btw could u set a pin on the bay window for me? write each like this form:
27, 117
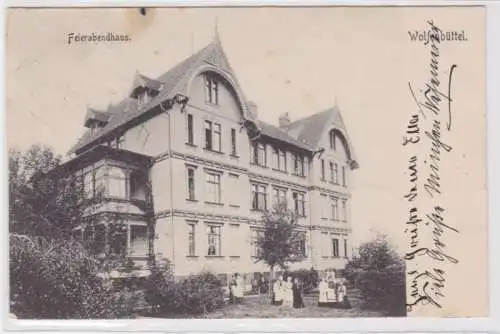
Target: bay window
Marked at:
117, 183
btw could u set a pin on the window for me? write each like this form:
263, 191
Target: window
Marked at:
333, 139
298, 165
335, 208
117, 183
345, 248
334, 173
211, 90
120, 141
322, 170
279, 196
344, 210
324, 206
256, 235
217, 138
191, 239
259, 197
236, 237
344, 177
301, 244
88, 185
325, 247
143, 98
258, 152
234, 199
118, 238
213, 136
99, 244
213, 188
208, 135
190, 184
138, 240
279, 160
213, 240
299, 203
190, 131
100, 181
335, 247
233, 142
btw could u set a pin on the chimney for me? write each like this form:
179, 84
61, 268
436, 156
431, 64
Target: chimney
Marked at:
284, 121
252, 109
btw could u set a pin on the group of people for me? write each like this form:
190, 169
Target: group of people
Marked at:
332, 292
236, 289
288, 293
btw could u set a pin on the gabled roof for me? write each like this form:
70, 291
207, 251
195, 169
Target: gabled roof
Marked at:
281, 135
173, 82
96, 116
310, 129
143, 82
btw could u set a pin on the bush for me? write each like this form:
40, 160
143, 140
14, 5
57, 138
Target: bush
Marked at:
193, 295
379, 274
308, 277
58, 280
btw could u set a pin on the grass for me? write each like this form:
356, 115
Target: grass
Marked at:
261, 307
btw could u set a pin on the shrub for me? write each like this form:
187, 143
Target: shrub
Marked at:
379, 274
308, 277
58, 280
193, 295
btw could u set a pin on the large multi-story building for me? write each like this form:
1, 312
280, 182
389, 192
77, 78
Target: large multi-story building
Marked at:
187, 153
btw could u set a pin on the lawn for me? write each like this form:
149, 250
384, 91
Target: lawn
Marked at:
260, 307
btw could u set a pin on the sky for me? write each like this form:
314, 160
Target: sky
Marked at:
300, 61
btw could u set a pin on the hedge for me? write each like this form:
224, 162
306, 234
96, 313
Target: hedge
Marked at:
58, 280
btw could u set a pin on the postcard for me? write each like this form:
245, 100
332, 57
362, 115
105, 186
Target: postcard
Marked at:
247, 162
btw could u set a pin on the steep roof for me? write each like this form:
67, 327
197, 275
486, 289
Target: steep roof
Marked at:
310, 129
96, 116
173, 81
279, 134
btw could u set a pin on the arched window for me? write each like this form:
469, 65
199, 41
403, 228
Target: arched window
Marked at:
117, 183
333, 140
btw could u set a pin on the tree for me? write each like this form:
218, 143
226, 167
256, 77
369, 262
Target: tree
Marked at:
42, 202
279, 242
379, 273
48, 201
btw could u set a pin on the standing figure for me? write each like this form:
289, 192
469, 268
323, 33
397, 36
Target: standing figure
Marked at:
288, 292
298, 300
322, 286
278, 291
239, 288
342, 295
232, 289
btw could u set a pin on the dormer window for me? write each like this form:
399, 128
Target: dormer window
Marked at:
211, 90
143, 98
144, 88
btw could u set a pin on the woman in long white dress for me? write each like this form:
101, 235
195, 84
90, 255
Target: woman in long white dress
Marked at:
278, 291
239, 289
323, 287
288, 292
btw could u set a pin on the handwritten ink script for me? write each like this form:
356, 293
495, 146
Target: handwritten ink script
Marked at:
425, 139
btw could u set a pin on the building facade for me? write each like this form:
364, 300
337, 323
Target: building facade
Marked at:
187, 154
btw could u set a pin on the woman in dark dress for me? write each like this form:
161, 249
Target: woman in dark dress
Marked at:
298, 300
